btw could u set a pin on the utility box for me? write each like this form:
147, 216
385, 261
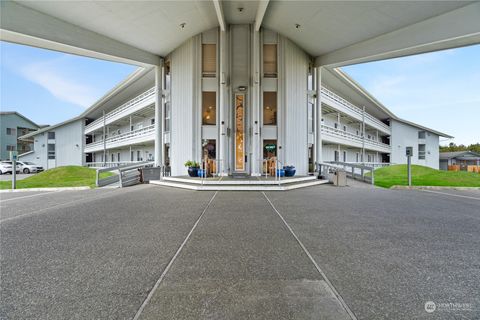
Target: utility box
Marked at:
340, 178
151, 174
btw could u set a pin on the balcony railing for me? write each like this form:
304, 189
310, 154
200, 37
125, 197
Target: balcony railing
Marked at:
98, 123
122, 139
355, 140
354, 109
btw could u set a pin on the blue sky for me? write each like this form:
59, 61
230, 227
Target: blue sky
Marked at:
440, 90
49, 87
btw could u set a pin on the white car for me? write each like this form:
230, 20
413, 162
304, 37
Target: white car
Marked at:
29, 167
6, 167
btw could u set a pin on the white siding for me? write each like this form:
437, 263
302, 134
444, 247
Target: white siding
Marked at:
184, 102
404, 135
295, 104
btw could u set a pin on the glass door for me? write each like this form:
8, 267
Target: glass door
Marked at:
240, 132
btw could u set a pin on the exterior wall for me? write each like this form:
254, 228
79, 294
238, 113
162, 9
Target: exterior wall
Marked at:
140, 153
184, 96
69, 143
404, 135
294, 103
328, 153
11, 121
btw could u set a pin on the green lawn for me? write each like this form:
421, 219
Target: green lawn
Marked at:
69, 176
424, 176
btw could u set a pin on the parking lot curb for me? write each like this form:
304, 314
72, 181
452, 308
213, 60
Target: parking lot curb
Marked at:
45, 189
432, 188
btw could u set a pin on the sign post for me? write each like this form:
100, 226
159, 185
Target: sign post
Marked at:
13, 157
409, 152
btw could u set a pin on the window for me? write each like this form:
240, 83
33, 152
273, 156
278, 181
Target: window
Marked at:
270, 60
335, 125
51, 135
421, 151
269, 149
132, 156
356, 157
167, 116
357, 132
270, 108
336, 156
113, 157
10, 147
345, 128
209, 60
369, 158
11, 131
344, 156
209, 150
152, 121
209, 108
421, 134
139, 158
51, 151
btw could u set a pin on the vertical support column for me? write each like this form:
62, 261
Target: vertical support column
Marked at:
256, 164
363, 134
158, 115
318, 117
223, 106
104, 141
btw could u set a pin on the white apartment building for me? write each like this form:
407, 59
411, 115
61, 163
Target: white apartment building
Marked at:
292, 113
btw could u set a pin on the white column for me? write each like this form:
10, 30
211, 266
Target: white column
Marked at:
104, 141
318, 117
158, 115
223, 106
363, 134
256, 138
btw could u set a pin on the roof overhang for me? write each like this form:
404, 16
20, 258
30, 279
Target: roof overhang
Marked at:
336, 33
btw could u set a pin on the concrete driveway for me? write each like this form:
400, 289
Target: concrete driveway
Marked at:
150, 252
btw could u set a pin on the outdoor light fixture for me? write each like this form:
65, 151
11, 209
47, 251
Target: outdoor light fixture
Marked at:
182, 25
297, 26
242, 88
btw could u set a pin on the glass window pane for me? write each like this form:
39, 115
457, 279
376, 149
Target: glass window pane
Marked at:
209, 60
51, 135
270, 60
209, 108
270, 108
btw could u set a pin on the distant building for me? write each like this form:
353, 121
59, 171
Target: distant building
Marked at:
461, 158
12, 126
58, 145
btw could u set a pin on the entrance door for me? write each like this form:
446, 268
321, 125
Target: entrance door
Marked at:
240, 156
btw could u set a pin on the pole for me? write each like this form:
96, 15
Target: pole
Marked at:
409, 171
14, 173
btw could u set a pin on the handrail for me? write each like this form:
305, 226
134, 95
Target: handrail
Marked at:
352, 107
147, 94
124, 136
352, 166
120, 169
349, 135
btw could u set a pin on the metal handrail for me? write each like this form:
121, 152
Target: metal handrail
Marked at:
352, 166
119, 169
352, 107
141, 97
351, 136
135, 133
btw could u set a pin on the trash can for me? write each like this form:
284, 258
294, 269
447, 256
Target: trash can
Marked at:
340, 178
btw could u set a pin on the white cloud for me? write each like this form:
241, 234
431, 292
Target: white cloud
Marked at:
49, 75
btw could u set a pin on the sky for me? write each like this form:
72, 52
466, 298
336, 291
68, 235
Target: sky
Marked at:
49, 87
440, 90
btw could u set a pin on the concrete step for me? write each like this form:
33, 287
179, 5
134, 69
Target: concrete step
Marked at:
249, 181
229, 187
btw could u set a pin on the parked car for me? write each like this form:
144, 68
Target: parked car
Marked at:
6, 167
29, 167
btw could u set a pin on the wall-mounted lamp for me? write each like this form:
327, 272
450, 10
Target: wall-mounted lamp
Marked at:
242, 88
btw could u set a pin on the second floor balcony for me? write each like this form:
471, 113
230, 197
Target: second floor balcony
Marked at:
132, 137
139, 102
334, 135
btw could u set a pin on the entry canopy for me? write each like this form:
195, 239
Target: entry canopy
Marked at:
335, 33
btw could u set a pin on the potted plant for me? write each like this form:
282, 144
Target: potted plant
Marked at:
289, 171
192, 168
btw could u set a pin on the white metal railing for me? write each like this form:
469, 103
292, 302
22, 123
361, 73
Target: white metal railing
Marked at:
341, 133
355, 170
350, 136
126, 175
122, 137
145, 95
99, 164
335, 97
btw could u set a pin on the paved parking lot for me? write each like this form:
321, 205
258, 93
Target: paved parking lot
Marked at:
20, 176
149, 252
